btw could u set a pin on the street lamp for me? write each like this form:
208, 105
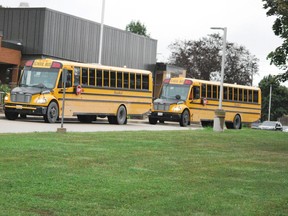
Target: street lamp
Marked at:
219, 119
101, 32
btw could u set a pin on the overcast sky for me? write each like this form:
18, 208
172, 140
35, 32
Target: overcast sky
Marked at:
170, 20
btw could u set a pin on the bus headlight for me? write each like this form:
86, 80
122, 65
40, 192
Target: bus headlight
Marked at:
6, 98
177, 109
41, 100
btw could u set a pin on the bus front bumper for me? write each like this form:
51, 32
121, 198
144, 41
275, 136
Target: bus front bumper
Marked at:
165, 116
27, 110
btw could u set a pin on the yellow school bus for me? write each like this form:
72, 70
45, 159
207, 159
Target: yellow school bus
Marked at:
187, 100
91, 91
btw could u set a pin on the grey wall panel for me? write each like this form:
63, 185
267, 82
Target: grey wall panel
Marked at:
25, 26
46, 32
70, 37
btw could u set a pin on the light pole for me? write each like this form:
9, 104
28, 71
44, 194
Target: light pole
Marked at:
101, 32
270, 97
219, 119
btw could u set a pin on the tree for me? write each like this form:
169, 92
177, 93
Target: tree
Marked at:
137, 27
202, 60
278, 57
279, 101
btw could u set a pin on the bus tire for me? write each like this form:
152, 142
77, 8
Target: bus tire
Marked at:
153, 121
121, 116
52, 113
185, 117
11, 115
237, 124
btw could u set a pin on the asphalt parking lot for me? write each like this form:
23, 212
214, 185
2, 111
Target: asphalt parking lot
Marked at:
36, 124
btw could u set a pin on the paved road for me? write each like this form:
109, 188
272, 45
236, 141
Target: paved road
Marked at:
36, 124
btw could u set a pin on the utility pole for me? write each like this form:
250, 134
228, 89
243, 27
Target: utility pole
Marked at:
101, 32
270, 97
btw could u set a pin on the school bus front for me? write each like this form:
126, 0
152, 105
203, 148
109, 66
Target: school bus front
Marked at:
172, 102
35, 94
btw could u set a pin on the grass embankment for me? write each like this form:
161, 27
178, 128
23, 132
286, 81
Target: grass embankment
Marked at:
145, 173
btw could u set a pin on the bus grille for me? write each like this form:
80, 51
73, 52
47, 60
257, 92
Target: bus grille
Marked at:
164, 107
23, 98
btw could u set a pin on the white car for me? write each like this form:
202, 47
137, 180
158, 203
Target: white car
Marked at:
271, 125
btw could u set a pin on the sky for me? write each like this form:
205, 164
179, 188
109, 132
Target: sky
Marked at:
170, 20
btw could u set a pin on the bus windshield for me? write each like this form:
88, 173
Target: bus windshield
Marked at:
39, 77
170, 91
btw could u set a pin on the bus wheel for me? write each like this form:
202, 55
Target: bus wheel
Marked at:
11, 115
237, 122
153, 120
52, 113
184, 121
121, 117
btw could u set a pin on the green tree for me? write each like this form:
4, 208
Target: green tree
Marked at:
137, 27
278, 57
202, 60
279, 98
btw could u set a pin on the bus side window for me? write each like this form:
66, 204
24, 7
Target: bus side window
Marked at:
76, 76
204, 90
84, 76
196, 92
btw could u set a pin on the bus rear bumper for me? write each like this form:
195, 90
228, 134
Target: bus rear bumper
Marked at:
161, 116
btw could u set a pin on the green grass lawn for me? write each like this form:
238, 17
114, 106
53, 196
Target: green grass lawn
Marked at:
237, 172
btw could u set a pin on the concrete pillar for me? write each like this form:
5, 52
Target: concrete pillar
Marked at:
219, 120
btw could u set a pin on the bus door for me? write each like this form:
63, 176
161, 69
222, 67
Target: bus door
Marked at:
194, 95
66, 80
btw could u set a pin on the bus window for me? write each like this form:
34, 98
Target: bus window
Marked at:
76, 76
138, 81
236, 94
203, 91
209, 89
214, 91
132, 80
84, 76
196, 92
230, 93
145, 82
126, 80
92, 77
112, 79
99, 77
240, 94
119, 79
250, 96
255, 96
106, 78
68, 80
225, 96
245, 95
